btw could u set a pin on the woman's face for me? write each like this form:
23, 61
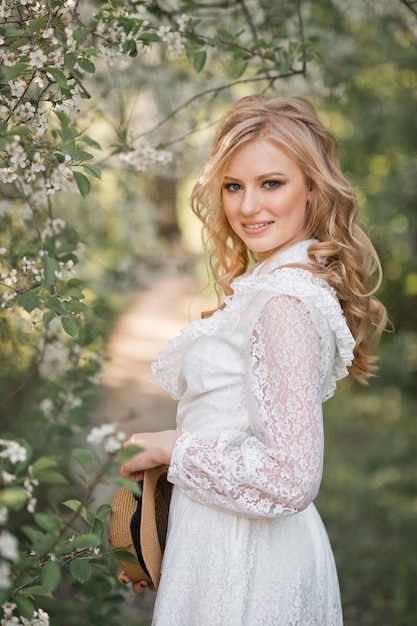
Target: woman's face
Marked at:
264, 196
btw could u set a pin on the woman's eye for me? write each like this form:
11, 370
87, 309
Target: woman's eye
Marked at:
232, 186
272, 184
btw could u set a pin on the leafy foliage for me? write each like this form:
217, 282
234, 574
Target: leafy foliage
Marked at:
55, 57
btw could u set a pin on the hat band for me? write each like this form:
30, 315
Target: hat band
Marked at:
135, 531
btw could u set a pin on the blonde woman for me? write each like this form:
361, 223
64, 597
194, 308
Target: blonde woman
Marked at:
246, 545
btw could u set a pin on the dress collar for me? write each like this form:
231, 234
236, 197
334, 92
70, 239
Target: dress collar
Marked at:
296, 253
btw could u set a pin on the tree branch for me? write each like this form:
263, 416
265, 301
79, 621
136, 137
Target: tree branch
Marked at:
216, 91
411, 5
249, 20
301, 30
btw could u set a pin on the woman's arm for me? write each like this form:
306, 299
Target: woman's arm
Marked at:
277, 470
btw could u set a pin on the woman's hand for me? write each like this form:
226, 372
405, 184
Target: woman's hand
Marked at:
138, 587
157, 450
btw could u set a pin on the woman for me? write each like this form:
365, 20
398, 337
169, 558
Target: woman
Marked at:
246, 545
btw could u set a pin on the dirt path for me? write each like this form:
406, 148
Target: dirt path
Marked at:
153, 317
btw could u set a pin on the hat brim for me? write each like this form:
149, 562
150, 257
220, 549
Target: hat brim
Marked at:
154, 509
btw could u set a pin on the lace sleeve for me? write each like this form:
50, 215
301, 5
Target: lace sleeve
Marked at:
276, 470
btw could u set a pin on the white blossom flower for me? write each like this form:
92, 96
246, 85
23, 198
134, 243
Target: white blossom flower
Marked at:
8, 478
37, 58
4, 515
47, 407
29, 484
55, 358
49, 33
8, 608
40, 81
173, 38
13, 451
3, 251
7, 174
17, 87
53, 227
51, 188
5, 577
5, 11
146, 157
182, 22
31, 507
107, 435
9, 547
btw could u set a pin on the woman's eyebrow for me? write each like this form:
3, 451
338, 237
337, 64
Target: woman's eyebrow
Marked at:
269, 174
260, 177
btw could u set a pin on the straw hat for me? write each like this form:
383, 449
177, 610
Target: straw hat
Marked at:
139, 525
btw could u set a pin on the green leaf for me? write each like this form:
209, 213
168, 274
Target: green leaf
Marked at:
86, 541
82, 183
70, 326
19, 130
70, 60
32, 533
149, 37
126, 556
28, 300
48, 317
37, 590
98, 528
76, 154
46, 522
63, 118
74, 282
15, 32
36, 25
239, 69
58, 76
49, 476
75, 505
103, 512
12, 496
53, 303
129, 484
90, 142
16, 70
306, 58
81, 34
24, 605
18, 44
51, 576
77, 307
199, 60
80, 570
93, 170
50, 266
43, 463
84, 456
74, 292
86, 65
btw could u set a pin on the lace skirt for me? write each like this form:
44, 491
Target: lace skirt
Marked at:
221, 569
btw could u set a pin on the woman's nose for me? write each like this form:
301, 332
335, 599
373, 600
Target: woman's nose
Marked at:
250, 202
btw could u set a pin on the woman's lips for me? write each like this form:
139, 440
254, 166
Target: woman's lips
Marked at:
256, 228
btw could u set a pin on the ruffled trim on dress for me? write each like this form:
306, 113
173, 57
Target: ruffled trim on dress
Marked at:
318, 296
313, 291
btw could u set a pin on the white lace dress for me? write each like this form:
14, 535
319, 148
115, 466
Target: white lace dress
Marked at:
246, 546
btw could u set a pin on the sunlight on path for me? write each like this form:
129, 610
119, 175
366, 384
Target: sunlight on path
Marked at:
153, 317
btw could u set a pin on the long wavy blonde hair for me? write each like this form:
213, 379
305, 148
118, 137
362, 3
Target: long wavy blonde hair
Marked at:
350, 258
